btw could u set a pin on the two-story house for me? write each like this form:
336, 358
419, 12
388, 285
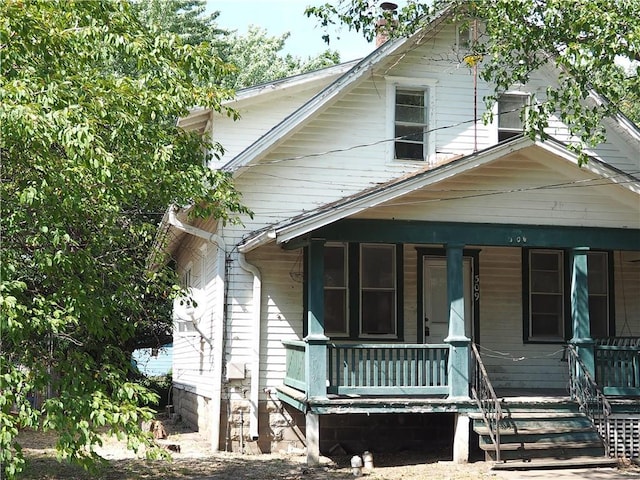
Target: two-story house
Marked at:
411, 272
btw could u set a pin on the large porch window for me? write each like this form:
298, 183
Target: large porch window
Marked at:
547, 284
361, 290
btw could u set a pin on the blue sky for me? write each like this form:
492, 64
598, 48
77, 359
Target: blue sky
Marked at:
280, 16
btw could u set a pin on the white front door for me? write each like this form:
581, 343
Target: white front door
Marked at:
435, 302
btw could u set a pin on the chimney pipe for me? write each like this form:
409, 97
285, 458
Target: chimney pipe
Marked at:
382, 30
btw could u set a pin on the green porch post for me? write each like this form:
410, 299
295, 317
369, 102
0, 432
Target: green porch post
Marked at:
459, 353
580, 309
316, 352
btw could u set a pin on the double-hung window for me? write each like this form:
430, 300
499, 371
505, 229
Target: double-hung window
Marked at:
336, 292
510, 114
548, 300
361, 290
378, 289
411, 123
186, 326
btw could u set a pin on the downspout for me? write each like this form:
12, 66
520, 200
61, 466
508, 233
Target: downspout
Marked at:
218, 319
254, 394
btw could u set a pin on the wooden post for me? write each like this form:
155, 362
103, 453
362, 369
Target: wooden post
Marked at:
316, 351
580, 310
459, 353
461, 438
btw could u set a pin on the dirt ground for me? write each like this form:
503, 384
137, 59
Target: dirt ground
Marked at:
196, 462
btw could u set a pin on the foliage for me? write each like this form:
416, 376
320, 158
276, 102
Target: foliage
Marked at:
583, 39
258, 59
90, 151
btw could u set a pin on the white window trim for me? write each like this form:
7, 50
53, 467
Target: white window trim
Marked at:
186, 281
428, 84
495, 112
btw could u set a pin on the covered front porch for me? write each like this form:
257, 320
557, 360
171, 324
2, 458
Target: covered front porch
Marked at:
327, 375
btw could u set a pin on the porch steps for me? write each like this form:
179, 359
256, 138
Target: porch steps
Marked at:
540, 434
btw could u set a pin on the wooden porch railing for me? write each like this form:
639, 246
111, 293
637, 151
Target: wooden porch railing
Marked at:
589, 396
486, 399
295, 375
617, 362
375, 369
388, 369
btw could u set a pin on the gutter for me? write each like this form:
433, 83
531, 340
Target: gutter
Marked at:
254, 394
218, 319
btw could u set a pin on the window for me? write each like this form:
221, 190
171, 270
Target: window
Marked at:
185, 326
546, 295
599, 301
336, 322
362, 284
548, 280
377, 289
510, 107
410, 123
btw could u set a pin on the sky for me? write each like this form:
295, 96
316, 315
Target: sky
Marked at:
280, 16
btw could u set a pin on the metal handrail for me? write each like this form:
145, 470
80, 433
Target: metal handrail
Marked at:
487, 400
592, 401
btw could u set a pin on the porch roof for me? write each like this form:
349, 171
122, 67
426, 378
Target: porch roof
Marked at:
297, 226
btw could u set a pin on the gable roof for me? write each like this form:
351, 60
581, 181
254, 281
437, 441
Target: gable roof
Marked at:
302, 224
317, 103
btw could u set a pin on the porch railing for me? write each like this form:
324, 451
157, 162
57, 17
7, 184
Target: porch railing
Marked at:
295, 374
375, 369
388, 369
486, 398
589, 396
617, 362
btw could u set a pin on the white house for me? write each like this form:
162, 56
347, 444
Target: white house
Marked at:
409, 270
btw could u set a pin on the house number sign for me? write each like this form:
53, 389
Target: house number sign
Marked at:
476, 288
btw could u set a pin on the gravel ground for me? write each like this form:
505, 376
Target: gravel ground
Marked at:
196, 462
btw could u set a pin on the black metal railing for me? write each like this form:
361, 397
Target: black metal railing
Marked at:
590, 398
486, 398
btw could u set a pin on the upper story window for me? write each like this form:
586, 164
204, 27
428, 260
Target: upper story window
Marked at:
411, 123
410, 118
510, 113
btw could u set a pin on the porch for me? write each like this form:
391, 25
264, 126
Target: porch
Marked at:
414, 379
421, 372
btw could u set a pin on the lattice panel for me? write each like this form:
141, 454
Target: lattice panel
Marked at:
625, 436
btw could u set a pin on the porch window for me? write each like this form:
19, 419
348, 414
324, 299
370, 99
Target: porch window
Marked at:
186, 327
377, 289
411, 121
547, 282
546, 295
510, 110
599, 301
336, 290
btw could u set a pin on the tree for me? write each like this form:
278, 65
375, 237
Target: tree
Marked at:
258, 59
90, 151
584, 39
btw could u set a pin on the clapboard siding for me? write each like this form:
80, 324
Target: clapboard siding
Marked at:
509, 191
509, 362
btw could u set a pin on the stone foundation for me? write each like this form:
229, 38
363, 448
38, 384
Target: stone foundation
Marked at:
194, 410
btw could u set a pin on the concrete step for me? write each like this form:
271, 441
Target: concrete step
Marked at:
528, 446
553, 464
533, 429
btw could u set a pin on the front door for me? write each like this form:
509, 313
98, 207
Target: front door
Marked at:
435, 302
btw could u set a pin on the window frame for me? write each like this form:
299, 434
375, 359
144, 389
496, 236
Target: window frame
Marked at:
185, 328
345, 288
428, 87
566, 296
353, 302
511, 132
